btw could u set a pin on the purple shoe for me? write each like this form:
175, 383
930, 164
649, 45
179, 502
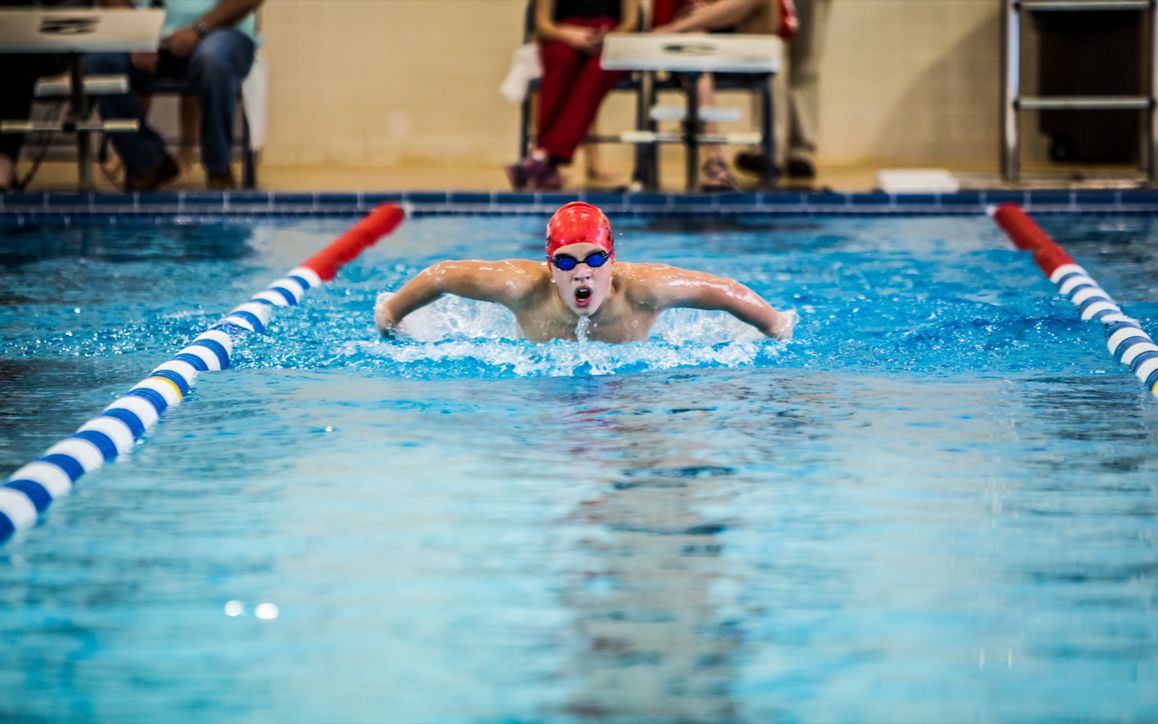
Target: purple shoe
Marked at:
527, 173
517, 175
532, 173
550, 179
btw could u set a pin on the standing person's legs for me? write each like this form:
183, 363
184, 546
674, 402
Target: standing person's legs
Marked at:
216, 69
147, 163
804, 54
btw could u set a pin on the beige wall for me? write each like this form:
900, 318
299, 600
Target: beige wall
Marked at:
390, 82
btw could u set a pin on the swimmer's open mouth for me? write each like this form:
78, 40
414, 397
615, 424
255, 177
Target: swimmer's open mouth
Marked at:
583, 296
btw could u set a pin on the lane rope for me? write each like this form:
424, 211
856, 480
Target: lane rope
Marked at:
28, 492
1125, 338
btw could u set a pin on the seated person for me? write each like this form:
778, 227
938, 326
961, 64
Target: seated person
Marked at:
582, 282
573, 83
745, 16
210, 44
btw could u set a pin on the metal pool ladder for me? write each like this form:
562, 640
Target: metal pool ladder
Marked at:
1013, 102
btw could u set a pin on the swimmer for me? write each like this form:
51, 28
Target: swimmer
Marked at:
581, 280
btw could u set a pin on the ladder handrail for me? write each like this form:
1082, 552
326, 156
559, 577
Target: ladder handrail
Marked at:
1095, 5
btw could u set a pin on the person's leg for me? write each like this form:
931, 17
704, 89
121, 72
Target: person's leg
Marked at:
189, 119
578, 110
803, 87
216, 69
142, 152
561, 67
715, 167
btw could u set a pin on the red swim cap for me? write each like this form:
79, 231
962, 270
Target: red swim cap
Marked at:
576, 223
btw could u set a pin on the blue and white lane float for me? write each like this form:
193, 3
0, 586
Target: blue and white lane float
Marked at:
28, 492
1125, 338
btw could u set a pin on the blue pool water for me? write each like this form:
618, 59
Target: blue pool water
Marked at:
938, 503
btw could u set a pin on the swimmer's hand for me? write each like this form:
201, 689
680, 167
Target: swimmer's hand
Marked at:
783, 325
384, 321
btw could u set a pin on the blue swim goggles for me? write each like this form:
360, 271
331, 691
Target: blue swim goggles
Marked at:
566, 262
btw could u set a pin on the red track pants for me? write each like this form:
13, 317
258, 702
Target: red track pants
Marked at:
570, 91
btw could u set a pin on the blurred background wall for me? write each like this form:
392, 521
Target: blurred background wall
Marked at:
404, 82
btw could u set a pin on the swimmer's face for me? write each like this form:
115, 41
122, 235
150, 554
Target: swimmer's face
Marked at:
585, 288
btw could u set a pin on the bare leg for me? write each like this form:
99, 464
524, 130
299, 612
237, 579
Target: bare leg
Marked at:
715, 169
190, 121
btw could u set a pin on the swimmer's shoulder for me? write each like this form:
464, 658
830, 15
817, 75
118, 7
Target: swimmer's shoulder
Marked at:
641, 281
524, 280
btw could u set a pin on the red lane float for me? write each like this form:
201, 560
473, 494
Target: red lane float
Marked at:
1028, 236
348, 246
1125, 338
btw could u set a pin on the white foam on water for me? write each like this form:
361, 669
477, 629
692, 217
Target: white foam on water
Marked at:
453, 329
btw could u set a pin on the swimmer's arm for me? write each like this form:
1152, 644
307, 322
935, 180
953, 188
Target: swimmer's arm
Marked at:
501, 282
674, 287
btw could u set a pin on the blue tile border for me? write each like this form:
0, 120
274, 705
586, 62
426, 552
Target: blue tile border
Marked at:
123, 208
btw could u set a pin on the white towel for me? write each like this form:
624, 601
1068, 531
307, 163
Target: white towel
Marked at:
525, 67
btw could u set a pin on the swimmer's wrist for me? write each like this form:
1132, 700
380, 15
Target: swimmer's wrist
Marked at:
385, 323
783, 325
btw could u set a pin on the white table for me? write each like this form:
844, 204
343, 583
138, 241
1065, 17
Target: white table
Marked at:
74, 32
693, 54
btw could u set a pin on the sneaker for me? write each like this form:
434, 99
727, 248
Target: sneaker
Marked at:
716, 176
517, 175
550, 179
220, 181
526, 173
532, 173
799, 168
154, 178
752, 162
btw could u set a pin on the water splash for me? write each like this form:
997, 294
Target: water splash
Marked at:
581, 328
456, 337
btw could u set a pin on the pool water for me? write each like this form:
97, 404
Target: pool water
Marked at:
939, 502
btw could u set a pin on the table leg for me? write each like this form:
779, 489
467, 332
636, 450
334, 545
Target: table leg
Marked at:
768, 134
78, 112
692, 132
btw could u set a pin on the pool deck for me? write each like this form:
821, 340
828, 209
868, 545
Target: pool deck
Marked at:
298, 190
164, 207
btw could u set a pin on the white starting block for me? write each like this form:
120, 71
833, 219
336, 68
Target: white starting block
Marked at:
917, 180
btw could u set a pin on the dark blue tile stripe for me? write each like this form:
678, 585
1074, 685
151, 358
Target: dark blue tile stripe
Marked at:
41, 208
